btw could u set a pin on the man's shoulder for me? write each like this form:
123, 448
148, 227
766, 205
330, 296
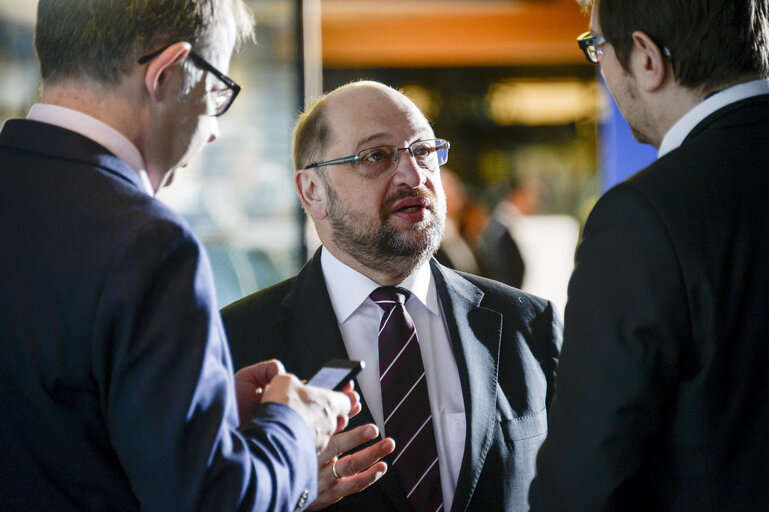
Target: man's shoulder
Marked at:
92, 194
251, 323
256, 306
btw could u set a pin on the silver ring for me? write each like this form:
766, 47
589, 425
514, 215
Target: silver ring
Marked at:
333, 470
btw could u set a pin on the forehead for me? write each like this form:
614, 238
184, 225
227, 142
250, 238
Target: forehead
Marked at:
364, 116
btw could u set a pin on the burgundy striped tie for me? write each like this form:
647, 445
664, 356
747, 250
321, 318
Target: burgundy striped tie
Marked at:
405, 403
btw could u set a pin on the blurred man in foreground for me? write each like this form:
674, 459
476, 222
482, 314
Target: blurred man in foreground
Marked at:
663, 390
117, 385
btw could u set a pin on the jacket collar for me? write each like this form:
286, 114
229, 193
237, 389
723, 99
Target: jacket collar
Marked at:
62, 144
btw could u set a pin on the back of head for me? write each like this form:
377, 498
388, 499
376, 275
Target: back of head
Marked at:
712, 43
101, 39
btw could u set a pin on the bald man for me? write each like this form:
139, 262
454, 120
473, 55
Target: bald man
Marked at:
368, 173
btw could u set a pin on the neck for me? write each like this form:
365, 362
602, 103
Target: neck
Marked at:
117, 106
674, 105
714, 89
113, 107
675, 101
389, 273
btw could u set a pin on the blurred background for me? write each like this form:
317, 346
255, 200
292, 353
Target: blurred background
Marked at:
535, 137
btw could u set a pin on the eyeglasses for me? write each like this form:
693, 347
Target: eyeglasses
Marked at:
589, 44
429, 154
223, 98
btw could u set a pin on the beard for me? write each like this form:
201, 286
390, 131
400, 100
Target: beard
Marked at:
635, 112
376, 244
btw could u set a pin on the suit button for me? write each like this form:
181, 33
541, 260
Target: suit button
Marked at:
302, 500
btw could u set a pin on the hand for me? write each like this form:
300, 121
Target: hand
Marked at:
355, 406
356, 471
249, 386
325, 412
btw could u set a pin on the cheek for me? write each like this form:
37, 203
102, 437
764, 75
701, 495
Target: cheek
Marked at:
201, 130
363, 197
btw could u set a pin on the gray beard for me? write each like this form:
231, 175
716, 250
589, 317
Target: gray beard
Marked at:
385, 249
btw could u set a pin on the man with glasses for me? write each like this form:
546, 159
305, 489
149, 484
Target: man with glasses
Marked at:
459, 369
117, 384
663, 389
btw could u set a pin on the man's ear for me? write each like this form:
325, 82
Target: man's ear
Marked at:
312, 192
159, 69
648, 62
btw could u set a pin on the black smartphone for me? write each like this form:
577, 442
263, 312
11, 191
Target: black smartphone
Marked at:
335, 374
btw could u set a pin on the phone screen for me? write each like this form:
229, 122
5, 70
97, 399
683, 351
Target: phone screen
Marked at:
336, 374
329, 377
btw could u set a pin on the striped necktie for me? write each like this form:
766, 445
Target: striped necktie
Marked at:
405, 402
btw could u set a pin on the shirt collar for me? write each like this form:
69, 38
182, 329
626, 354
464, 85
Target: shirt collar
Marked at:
679, 131
97, 131
348, 288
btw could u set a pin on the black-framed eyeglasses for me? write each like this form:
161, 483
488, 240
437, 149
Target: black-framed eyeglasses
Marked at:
222, 98
428, 154
589, 44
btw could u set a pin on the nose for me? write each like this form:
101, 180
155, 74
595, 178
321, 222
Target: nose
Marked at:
214, 130
407, 172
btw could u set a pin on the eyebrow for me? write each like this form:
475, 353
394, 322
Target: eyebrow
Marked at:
365, 140
368, 139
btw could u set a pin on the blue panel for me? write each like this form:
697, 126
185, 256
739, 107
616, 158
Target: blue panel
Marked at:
621, 155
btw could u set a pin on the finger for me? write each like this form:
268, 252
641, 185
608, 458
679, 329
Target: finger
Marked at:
273, 368
340, 404
345, 486
363, 459
355, 405
326, 477
261, 374
346, 441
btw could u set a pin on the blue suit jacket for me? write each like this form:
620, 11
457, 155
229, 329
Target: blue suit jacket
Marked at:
117, 390
506, 344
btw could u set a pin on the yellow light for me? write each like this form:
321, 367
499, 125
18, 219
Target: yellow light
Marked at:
538, 103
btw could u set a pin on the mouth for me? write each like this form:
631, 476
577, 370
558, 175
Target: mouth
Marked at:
412, 209
411, 205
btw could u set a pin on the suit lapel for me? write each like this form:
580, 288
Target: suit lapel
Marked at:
312, 337
475, 334
308, 329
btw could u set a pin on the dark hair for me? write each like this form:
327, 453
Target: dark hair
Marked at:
101, 39
713, 43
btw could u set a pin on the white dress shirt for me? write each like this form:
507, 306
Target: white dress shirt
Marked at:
678, 132
95, 130
358, 318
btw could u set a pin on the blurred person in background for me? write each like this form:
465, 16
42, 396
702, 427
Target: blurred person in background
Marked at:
459, 369
473, 220
498, 253
117, 384
663, 390
454, 251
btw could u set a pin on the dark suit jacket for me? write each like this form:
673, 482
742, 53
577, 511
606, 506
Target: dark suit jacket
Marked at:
506, 344
499, 256
116, 380
663, 388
